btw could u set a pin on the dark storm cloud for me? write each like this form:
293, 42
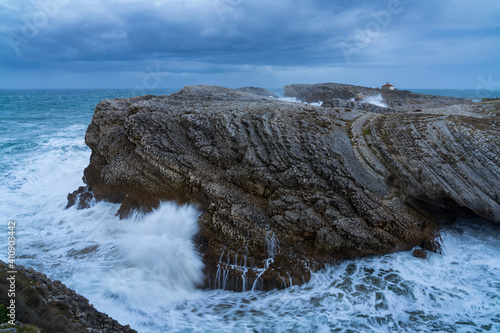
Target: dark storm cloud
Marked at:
219, 36
220, 31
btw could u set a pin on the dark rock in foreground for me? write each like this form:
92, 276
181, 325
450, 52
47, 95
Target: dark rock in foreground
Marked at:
51, 306
286, 188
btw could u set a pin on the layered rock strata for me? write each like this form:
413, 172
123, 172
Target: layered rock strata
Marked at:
286, 188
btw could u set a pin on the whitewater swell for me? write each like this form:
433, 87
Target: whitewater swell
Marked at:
377, 100
131, 269
160, 264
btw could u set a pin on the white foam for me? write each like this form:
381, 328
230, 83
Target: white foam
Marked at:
128, 268
289, 99
295, 100
160, 264
316, 104
377, 100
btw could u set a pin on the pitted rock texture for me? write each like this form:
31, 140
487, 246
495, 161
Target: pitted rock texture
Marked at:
287, 187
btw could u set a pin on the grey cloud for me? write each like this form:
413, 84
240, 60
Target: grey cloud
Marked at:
229, 36
287, 32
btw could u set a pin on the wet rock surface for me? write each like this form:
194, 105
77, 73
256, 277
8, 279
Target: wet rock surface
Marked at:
286, 188
51, 306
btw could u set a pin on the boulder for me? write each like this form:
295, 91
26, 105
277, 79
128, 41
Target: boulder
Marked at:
359, 97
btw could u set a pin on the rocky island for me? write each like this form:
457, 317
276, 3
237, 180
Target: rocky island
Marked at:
285, 188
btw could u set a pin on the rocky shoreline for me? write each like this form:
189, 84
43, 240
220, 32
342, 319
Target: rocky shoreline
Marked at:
286, 188
49, 306
397, 100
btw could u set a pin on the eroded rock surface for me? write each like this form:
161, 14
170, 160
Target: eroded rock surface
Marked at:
288, 187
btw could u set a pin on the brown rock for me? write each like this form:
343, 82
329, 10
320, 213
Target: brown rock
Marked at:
81, 197
419, 253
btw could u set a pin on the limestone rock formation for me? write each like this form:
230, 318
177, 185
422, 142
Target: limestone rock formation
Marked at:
258, 91
288, 187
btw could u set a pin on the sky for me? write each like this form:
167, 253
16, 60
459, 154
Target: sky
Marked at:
134, 44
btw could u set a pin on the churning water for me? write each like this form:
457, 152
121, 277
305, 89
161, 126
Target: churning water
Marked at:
144, 270
377, 100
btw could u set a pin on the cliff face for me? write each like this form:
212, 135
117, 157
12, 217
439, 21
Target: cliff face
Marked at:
287, 187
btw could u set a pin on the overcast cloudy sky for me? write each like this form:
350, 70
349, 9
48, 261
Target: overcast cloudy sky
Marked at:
267, 43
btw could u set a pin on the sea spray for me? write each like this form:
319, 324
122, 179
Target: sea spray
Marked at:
377, 100
160, 264
295, 100
128, 268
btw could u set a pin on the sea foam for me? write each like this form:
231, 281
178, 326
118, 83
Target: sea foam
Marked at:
377, 100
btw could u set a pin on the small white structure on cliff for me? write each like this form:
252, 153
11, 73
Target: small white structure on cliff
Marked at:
387, 86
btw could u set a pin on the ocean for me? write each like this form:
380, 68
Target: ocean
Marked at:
143, 270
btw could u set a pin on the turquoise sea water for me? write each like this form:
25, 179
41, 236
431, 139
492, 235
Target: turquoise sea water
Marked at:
142, 271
